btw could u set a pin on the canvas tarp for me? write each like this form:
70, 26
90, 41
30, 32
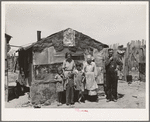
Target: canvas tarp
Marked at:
47, 56
40, 58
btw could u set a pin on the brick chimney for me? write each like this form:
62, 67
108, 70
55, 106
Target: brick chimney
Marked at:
38, 35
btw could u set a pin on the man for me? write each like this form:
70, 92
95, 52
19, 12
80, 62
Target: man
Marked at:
112, 64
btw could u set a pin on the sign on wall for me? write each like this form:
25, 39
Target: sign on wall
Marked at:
69, 38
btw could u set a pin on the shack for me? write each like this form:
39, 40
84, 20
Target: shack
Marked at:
39, 61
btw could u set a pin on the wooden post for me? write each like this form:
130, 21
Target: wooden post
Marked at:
142, 42
6, 74
32, 77
6, 84
126, 58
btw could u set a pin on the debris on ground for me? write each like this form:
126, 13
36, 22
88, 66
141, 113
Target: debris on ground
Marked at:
129, 96
48, 102
27, 104
134, 96
37, 106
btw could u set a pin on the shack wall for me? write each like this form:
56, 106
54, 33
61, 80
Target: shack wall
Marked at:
43, 87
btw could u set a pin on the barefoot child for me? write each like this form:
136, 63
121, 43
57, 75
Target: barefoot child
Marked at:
70, 89
79, 82
59, 79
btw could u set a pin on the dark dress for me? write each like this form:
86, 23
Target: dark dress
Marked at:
70, 91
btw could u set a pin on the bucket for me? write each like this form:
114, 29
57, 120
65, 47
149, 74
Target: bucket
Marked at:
129, 78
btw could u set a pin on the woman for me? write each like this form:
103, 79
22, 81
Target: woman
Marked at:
91, 75
99, 61
68, 68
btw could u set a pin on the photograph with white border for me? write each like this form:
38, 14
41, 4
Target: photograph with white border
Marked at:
75, 61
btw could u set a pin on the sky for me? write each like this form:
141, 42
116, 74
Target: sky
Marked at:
108, 23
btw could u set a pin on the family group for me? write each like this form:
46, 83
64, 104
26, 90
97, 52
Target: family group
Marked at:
78, 80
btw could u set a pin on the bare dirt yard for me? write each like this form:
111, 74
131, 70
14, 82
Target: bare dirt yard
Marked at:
130, 96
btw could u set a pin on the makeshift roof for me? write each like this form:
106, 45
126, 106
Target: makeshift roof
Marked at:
25, 47
12, 52
82, 41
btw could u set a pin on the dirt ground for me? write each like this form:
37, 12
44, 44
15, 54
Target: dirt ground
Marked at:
130, 96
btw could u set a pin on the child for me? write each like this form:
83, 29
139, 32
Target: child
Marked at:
79, 82
70, 89
59, 79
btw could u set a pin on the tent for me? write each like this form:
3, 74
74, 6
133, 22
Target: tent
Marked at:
39, 60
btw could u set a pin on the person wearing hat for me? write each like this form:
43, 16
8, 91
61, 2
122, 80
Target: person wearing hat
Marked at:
121, 50
112, 65
90, 71
120, 54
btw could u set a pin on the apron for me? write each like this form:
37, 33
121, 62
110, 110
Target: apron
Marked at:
91, 84
100, 75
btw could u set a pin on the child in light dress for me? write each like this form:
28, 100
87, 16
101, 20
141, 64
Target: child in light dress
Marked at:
79, 82
59, 79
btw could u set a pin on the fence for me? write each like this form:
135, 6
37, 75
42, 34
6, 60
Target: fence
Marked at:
134, 59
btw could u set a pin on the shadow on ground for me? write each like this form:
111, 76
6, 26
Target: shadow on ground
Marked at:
120, 95
103, 94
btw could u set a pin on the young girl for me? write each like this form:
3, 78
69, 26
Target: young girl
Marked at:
59, 79
79, 82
